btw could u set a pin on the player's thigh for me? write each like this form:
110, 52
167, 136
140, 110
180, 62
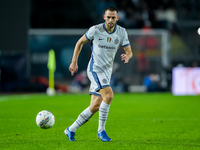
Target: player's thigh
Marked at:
95, 103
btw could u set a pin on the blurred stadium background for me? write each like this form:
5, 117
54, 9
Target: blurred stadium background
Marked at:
163, 35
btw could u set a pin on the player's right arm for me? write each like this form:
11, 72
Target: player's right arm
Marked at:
73, 68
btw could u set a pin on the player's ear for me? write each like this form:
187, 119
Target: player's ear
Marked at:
117, 18
104, 17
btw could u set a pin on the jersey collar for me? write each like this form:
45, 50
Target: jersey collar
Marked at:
107, 30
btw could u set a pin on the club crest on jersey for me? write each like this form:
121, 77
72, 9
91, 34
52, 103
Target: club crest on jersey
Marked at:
108, 39
116, 41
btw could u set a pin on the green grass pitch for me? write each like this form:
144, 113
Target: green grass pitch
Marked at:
158, 121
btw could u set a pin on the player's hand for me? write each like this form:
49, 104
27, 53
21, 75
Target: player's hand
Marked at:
73, 68
125, 58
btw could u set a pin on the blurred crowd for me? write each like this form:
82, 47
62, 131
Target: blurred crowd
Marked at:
142, 13
133, 13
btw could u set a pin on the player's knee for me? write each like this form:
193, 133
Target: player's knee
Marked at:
109, 97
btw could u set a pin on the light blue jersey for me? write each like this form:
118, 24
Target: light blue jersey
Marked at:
104, 46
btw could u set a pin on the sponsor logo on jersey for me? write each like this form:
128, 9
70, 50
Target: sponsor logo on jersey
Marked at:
106, 47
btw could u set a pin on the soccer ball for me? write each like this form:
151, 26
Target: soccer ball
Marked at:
45, 119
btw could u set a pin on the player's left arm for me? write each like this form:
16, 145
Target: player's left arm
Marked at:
128, 54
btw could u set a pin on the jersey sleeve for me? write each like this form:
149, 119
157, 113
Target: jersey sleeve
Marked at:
90, 33
125, 40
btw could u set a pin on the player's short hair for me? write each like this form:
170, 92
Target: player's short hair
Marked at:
111, 8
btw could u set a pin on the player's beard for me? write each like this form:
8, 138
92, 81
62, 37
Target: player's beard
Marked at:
111, 25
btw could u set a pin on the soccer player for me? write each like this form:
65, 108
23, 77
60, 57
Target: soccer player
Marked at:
105, 40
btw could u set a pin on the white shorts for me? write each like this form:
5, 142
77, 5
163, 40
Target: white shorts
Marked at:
98, 81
